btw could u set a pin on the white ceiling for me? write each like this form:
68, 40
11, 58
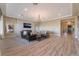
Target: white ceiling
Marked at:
47, 11
75, 7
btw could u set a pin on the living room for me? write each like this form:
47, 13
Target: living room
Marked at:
35, 23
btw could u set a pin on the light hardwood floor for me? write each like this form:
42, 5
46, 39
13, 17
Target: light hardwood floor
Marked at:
52, 46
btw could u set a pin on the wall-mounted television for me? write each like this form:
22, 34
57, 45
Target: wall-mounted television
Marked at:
26, 25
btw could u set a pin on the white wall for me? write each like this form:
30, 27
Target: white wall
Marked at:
75, 8
77, 27
18, 25
52, 26
3, 8
1, 27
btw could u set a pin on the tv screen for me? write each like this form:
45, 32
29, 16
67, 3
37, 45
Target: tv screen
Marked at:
26, 25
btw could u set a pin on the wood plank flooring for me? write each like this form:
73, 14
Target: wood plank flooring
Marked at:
52, 46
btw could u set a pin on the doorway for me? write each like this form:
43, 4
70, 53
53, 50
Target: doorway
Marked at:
67, 26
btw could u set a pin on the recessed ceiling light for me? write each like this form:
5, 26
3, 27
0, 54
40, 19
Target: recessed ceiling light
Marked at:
25, 9
19, 15
69, 23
